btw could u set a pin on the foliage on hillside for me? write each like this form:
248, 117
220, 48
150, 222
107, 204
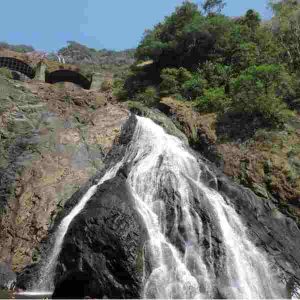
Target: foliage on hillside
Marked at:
230, 66
232, 85
6, 73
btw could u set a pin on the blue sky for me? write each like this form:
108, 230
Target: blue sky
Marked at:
113, 24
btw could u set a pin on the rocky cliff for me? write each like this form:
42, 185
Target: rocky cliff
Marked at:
53, 139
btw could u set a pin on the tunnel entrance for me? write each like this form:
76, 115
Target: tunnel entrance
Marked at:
68, 76
17, 65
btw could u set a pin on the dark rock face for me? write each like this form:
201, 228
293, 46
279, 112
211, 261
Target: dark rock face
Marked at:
7, 277
102, 254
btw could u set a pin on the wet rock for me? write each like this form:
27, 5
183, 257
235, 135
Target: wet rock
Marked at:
158, 117
100, 253
7, 277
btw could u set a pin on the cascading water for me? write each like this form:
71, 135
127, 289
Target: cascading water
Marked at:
161, 161
198, 246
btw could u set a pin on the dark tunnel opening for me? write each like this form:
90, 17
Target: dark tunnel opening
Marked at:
17, 65
68, 76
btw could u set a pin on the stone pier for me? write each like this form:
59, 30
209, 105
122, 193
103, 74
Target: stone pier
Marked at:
40, 72
97, 80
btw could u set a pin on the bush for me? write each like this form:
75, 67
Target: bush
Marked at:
172, 80
213, 100
169, 84
216, 74
257, 91
6, 73
149, 97
106, 85
119, 91
194, 87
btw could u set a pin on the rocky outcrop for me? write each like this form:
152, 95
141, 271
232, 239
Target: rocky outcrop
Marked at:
53, 139
198, 129
158, 117
102, 254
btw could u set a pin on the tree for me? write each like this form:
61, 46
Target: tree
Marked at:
258, 91
251, 19
213, 6
180, 40
172, 80
286, 28
213, 100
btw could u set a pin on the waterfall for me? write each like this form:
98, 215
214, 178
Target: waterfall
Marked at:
179, 236
198, 246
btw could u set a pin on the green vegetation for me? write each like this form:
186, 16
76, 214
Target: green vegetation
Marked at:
6, 73
258, 91
213, 99
140, 260
106, 86
242, 67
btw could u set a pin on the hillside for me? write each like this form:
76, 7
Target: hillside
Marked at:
76, 53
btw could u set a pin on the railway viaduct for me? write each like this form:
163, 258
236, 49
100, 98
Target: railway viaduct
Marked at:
59, 73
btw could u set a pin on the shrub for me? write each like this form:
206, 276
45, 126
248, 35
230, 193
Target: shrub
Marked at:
193, 88
169, 84
118, 90
149, 97
6, 73
257, 91
216, 74
106, 85
213, 100
172, 80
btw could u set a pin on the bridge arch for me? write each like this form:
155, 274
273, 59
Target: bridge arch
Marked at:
63, 75
18, 65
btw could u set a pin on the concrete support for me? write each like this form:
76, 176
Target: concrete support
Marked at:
97, 80
40, 73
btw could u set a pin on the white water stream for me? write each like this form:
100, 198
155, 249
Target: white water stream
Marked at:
161, 164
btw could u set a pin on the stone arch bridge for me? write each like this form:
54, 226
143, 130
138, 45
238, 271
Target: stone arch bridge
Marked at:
42, 72
18, 65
